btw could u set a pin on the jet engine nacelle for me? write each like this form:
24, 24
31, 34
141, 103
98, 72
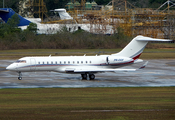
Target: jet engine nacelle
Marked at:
118, 60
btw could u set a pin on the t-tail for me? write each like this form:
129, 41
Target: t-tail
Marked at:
63, 14
135, 48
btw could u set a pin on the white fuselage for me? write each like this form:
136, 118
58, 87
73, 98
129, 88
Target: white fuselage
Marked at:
68, 63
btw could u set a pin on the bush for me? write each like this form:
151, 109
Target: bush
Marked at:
80, 39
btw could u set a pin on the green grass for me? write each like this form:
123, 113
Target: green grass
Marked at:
147, 54
158, 55
147, 103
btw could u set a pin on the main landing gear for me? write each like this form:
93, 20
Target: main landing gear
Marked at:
84, 76
20, 76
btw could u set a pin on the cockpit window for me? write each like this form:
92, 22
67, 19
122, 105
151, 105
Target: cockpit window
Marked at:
20, 61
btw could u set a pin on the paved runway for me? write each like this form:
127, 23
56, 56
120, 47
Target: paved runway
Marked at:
157, 73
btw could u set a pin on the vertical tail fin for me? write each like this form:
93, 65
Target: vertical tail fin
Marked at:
6, 13
135, 48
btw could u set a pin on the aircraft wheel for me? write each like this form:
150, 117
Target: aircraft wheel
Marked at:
91, 76
84, 76
20, 76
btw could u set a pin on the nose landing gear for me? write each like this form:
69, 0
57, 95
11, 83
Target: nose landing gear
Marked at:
20, 76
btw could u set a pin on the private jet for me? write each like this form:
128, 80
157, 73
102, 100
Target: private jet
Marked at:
86, 65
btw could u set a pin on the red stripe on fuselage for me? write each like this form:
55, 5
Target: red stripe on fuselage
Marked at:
136, 57
125, 63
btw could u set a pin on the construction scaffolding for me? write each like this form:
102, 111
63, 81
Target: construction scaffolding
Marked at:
37, 7
159, 23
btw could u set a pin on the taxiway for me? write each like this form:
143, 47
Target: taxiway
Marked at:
157, 73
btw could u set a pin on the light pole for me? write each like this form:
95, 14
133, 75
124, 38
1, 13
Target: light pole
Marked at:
3, 3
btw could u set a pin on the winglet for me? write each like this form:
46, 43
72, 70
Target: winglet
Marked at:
143, 66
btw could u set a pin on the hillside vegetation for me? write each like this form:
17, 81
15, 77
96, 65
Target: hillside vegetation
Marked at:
53, 4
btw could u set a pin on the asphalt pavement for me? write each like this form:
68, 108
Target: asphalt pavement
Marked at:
157, 73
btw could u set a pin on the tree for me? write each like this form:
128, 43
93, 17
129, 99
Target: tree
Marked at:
13, 21
32, 27
11, 26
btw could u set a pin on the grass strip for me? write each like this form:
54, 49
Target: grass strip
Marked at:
133, 103
147, 54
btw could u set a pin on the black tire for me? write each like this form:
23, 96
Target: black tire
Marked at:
91, 76
84, 76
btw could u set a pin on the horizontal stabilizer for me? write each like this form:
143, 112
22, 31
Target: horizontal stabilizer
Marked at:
142, 38
63, 14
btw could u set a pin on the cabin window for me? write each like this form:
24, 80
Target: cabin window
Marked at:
73, 62
38, 62
64, 62
51, 62
68, 62
56, 62
81, 62
89, 61
77, 62
60, 62
43, 62
47, 62
86, 62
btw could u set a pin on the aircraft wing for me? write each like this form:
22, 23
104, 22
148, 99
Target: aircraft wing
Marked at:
84, 70
104, 70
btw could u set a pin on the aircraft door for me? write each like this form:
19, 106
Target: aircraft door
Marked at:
107, 60
32, 64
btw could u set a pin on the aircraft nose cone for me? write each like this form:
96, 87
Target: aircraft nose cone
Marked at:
10, 67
